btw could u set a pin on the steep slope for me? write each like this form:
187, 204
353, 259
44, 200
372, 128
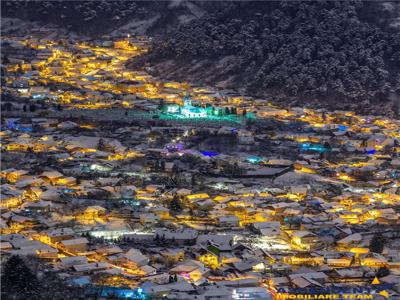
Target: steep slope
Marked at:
335, 53
96, 18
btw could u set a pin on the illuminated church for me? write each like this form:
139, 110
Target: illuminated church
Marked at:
187, 110
190, 111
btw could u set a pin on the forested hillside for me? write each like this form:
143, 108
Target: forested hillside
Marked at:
331, 52
97, 18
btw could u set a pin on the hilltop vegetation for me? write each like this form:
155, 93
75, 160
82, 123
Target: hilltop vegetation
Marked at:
333, 52
97, 18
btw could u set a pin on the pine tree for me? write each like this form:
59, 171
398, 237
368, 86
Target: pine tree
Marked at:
175, 204
32, 108
377, 244
382, 272
18, 281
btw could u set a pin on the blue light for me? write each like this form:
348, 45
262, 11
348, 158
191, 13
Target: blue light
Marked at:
38, 96
12, 124
140, 290
313, 147
373, 151
15, 125
209, 153
26, 129
342, 128
254, 159
128, 294
174, 147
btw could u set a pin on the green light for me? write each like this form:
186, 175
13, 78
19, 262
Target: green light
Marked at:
250, 116
228, 118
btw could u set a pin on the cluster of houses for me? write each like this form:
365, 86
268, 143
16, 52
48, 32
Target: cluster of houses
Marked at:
295, 199
93, 75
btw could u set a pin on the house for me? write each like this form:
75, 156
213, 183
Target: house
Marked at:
299, 190
304, 240
305, 259
191, 270
57, 235
173, 255
22, 143
147, 270
195, 197
32, 193
309, 279
228, 221
180, 237
5, 246
50, 195
149, 219
135, 258
70, 261
10, 201
91, 267
93, 212
343, 262
82, 144
259, 226
13, 175
111, 250
273, 233
52, 177
373, 260
245, 137
349, 273
75, 245
350, 241
36, 248
208, 258
19, 223
161, 212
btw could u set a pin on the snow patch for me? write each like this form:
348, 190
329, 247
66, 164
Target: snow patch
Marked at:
136, 26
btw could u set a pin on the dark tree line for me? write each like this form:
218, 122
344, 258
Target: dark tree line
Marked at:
96, 18
331, 50
89, 17
19, 280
